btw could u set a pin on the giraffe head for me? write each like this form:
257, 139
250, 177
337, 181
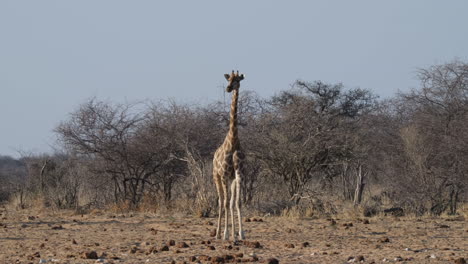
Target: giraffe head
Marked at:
233, 81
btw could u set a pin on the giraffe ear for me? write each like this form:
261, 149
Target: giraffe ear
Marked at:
227, 76
241, 77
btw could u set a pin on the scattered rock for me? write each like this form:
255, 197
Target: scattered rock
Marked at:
272, 261
366, 222
164, 248
239, 255
172, 243
213, 233
384, 240
460, 261
217, 259
444, 226
31, 218
211, 248
193, 259
42, 245
206, 242
360, 258
90, 255
227, 247
74, 242
250, 244
24, 225
57, 227
209, 223
305, 244
332, 222
134, 249
204, 258
153, 231
180, 245
152, 250
247, 220
398, 259
289, 245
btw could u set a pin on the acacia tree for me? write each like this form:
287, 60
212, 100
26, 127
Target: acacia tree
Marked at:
308, 132
122, 144
435, 138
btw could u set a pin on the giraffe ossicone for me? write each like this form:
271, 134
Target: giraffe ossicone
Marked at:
228, 165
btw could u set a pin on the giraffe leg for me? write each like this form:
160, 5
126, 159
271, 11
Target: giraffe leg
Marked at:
237, 181
225, 192
220, 209
231, 209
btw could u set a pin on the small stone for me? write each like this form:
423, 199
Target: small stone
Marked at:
366, 222
181, 245
41, 261
460, 261
305, 244
272, 261
213, 233
172, 242
152, 250
398, 259
164, 248
360, 258
211, 248
289, 245
255, 244
74, 242
204, 258
384, 240
90, 255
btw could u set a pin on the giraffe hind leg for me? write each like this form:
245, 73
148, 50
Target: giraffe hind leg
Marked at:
220, 208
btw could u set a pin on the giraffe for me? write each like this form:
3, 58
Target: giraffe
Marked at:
228, 164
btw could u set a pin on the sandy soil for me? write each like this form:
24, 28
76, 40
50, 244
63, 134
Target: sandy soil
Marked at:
140, 238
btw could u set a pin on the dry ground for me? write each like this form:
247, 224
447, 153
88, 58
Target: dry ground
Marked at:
26, 237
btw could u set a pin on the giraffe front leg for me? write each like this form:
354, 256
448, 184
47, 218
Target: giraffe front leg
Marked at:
231, 209
238, 189
226, 234
220, 213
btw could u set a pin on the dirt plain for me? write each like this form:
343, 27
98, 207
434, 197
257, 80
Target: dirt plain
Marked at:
103, 237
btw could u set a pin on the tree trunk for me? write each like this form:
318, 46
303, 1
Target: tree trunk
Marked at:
359, 186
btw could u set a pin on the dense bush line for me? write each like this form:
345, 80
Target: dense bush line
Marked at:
309, 148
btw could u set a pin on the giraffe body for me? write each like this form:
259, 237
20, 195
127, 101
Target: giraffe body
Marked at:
228, 166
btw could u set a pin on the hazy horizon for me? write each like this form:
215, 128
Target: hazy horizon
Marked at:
54, 55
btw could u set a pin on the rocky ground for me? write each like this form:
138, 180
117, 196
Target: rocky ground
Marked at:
26, 237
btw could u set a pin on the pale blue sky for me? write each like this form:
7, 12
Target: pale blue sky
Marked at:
56, 54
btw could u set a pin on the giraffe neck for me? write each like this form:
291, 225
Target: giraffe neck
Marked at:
232, 135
